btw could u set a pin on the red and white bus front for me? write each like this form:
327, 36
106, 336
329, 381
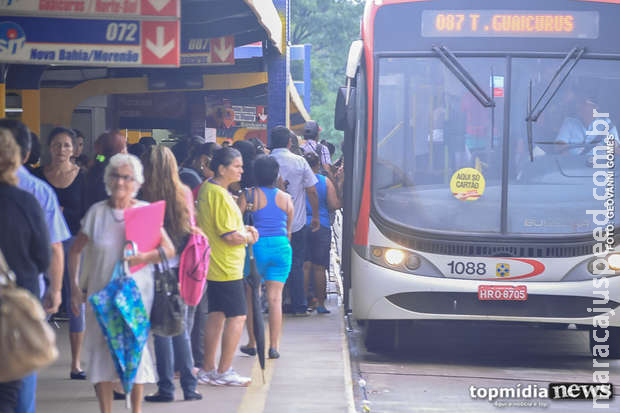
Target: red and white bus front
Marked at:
482, 162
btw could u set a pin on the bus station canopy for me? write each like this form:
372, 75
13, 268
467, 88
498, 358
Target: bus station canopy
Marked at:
248, 20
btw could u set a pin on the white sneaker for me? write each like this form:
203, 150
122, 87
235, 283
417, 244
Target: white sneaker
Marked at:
232, 378
207, 377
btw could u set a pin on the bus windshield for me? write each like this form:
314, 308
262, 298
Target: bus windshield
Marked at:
429, 126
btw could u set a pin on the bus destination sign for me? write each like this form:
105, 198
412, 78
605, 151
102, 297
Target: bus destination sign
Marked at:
510, 23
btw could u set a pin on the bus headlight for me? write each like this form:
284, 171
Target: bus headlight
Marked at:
614, 261
394, 257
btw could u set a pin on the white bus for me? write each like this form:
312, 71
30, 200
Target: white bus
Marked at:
470, 165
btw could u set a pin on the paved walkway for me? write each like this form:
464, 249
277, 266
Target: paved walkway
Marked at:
312, 375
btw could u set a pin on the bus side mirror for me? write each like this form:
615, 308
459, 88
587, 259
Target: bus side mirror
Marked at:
345, 116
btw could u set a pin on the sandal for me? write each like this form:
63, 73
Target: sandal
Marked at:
79, 375
250, 351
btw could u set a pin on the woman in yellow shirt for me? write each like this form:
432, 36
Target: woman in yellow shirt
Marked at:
221, 220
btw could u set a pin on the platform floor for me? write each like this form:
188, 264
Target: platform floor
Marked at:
312, 375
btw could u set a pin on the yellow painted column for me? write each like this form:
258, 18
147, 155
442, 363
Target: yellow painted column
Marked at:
31, 103
2, 100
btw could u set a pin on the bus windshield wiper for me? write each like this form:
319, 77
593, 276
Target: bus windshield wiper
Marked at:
533, 113
451, 62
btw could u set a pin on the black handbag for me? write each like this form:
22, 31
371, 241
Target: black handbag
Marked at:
168, 312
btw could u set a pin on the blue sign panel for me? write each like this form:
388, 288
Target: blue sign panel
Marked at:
41, 40
75, 31
197, 45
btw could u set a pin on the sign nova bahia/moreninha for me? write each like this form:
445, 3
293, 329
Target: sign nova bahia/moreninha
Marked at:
151, 38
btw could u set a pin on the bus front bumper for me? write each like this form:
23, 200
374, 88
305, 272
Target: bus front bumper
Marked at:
380, 293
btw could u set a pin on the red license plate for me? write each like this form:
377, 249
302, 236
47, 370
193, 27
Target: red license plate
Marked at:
502, 293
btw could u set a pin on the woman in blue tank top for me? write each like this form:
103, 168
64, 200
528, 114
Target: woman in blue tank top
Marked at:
273, 218
318, 243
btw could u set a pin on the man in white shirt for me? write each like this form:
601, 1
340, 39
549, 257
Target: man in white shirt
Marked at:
298, 180
580, 130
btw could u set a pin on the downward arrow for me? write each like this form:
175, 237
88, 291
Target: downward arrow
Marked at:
160, 49
159, 4
223, 51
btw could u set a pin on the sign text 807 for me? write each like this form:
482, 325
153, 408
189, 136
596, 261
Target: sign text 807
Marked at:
470, 268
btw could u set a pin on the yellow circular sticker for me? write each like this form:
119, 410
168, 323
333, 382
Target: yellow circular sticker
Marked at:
467, 184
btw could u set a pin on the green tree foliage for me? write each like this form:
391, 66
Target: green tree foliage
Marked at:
329, 26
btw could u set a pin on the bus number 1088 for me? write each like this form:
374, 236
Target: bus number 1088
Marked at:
470, 268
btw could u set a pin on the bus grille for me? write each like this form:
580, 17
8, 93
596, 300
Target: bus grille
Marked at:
529, 250
548, 306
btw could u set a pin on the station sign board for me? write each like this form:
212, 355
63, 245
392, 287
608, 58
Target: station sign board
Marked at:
89, 42
88, 8
199, 51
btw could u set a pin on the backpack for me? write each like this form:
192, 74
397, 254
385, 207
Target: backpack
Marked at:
194, 266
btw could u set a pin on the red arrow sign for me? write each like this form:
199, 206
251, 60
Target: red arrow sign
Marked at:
160, 43
161, 8
222, 50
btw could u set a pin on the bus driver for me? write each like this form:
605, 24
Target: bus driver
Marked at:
574, 130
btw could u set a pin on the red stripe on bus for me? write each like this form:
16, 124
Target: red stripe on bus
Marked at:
361, 232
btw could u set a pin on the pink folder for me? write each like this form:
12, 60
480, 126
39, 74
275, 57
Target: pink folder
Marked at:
143, 226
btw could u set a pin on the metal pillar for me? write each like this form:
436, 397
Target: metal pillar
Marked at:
307, 76
278, 72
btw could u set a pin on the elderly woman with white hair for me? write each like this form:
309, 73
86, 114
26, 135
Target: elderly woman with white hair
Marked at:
102, 237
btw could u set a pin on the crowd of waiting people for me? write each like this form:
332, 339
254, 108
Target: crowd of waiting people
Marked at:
64, 231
